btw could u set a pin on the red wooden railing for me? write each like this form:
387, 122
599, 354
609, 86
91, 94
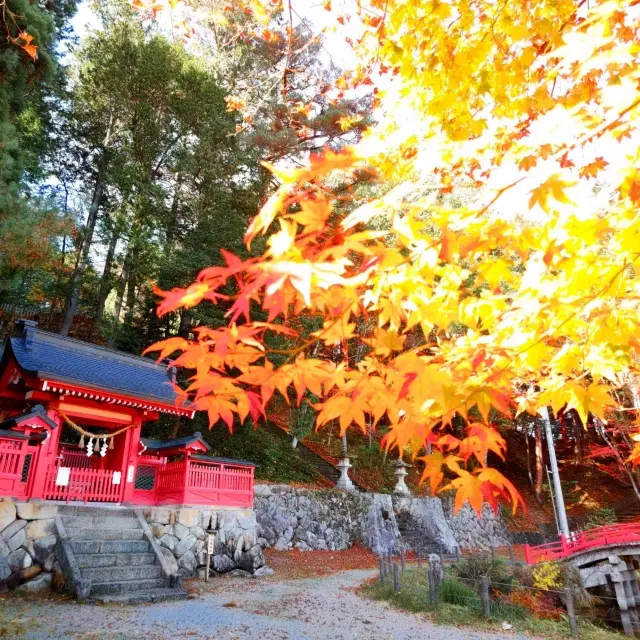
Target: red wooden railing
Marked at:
616, 534
194, 482
87, 485
17, 461
77, 459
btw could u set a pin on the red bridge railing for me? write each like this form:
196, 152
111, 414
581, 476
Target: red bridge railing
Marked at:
616, 534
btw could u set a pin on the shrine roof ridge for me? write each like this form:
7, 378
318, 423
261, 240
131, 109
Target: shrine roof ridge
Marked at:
52, 357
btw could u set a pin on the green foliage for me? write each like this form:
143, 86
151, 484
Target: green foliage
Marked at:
453, 591
276, 460
474, 568
600, 517
303, 417
459, 606
28, 221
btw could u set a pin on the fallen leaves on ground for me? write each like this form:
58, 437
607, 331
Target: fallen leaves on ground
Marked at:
311, 564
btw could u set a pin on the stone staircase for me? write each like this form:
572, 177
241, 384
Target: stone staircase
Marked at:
413, 539
111, 556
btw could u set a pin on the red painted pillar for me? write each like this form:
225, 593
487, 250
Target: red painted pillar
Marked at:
130, 461
45, 461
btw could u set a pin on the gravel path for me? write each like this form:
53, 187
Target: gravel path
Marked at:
265, 609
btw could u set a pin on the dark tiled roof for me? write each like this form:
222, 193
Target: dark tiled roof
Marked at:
242, 463
37, 412
57, 358
156, 445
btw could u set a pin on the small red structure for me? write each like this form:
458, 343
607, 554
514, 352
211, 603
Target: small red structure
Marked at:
72, 415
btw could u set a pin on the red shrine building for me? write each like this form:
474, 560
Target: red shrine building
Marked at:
71, 416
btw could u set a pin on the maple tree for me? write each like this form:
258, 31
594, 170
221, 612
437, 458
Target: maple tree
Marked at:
526, 298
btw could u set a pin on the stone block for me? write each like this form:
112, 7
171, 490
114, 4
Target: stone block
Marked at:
281, 544
171, 562
13, 528
180, 531
263, 571
198, 532
205, 520
188, 517
250, 560
262, 490
19, 559
35, 511
4, 548
239, 573
7, 514
247, 521
17, 540
18, 577
201, 556
302, 546
213, 522
200, 545
160, 515
158, 530
40, 528
43, 547
40, 584
185, 545
169, 541
222, 563
188, 562
5, 569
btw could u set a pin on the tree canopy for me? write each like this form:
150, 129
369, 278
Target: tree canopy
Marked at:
524, 299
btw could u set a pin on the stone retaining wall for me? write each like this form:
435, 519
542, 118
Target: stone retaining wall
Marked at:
27, 545
182, 533
472, 532
307, 519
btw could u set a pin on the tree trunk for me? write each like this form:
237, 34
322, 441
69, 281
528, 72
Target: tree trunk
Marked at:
539, 464
120, 288
105, 281
132, 282
83, 253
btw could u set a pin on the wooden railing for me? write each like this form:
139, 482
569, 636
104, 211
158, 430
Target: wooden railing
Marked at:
87, 485
78, 459
17, 461
566, 546
200, 482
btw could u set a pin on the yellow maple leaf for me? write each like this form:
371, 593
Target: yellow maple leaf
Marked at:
554, 187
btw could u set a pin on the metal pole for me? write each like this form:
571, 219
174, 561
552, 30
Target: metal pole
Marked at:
555, 474
553, 497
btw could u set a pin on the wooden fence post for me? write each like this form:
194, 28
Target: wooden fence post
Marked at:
402, 558
419, 561
493, 554
396, 579
486, 598
457, 553
381, 569
511, 558
441, 554
432, 585
571, 611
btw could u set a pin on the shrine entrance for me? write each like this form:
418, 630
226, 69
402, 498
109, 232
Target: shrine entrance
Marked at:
71, 419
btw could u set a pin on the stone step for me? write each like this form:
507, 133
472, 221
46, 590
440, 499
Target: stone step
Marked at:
102, 511
105, 534
109, 546
102, 522
146, 596
113, 574
125, 586
115, 560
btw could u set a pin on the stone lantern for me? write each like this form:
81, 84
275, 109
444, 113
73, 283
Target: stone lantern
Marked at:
344, 481
400, 472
